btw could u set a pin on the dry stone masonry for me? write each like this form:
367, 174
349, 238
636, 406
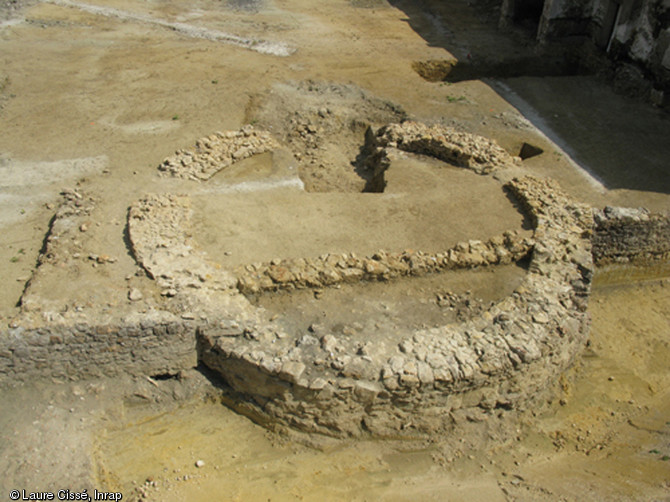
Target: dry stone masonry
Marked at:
422, 382
445, 143
54, 342
216, 152
500, 359
151, 343
630, 235
332, 269
157, 226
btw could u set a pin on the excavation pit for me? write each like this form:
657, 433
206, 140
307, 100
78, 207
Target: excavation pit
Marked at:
335, 311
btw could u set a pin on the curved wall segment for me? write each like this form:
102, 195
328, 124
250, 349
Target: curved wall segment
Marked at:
419, 382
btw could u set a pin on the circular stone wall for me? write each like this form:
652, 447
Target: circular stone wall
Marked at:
320, 382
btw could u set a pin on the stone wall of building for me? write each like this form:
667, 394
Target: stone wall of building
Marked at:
146, 344
627, 235
332, 269
565, 18
628, 40
53, 340
420, 381
635, 35
500, 360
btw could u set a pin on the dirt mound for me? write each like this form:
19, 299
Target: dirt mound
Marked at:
434, 70
324, 125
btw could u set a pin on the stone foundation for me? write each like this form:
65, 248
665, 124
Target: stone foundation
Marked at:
332, 269
503, 358
627, 235
470, 151
216, 152
150, 344
498, 360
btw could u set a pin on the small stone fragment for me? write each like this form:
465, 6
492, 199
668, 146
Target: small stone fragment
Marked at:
541, 318
292, 371
328, 343
318, 384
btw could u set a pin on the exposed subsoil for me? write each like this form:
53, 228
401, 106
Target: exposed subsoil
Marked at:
95, 99
388, 309
412, 212
325, 125
605, 437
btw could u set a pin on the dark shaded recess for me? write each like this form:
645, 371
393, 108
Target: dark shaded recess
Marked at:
165, 376
528, 151
528, 10
528, 222
40, 255
367, 165
531, 66
527, 14
128, 243
241, 403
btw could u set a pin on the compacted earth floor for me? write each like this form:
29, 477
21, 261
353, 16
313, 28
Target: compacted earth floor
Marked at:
94, 95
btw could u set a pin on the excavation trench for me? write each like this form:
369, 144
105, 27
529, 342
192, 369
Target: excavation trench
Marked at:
310, 304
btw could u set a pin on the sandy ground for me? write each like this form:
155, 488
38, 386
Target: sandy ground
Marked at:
96, 95
607, 439
98, 98
604, 438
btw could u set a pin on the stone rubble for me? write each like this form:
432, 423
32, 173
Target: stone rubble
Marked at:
464, 305
333, 269
503, 357
471, 151
157, 226
213, 153
63, 243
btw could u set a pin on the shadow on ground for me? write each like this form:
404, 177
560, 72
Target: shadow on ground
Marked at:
621, 142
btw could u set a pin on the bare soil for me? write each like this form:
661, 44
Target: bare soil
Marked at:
419, 209
96, 98
605, 437
388, 309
